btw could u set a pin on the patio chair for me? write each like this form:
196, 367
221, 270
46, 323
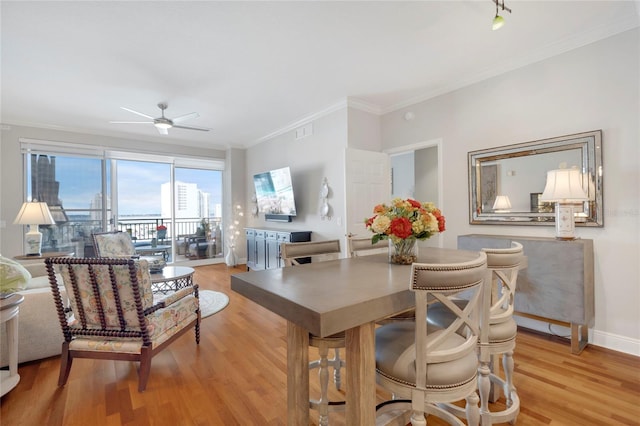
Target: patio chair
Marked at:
112, 313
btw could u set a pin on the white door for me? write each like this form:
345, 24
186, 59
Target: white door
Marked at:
367, 183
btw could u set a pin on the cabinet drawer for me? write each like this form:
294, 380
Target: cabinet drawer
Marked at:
284, 237
271, 235
250, 232
260, 234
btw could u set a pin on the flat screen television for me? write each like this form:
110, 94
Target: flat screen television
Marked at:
274, 194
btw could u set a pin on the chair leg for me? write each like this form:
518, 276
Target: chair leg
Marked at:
197, 327
507, 365
472, 410
145, 368
484, 387
495, 367
65, 364
337, 363
323, 374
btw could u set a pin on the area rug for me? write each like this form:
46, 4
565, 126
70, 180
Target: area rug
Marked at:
212, 302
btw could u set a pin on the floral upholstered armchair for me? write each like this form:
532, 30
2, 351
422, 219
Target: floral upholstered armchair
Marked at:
113, 244
112, 313
119, 244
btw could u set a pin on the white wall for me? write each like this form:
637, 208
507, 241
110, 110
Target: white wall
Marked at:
594, 87
310, 159
12, 187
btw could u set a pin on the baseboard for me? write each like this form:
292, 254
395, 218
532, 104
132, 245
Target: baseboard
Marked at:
615, 342
610, 341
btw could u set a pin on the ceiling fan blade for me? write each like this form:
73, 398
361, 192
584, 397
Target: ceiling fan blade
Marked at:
185, 117
162, 130
136, 112
131, 122
202, 129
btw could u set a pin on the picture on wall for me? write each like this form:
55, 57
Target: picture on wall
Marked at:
488, 186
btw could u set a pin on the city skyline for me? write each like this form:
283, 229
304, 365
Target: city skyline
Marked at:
139, 184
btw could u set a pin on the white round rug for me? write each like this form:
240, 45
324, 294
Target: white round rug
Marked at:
212, 302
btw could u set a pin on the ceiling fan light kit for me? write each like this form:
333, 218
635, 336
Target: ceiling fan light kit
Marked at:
498, 21
162, 123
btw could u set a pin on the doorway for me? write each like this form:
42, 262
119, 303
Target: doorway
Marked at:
416, 173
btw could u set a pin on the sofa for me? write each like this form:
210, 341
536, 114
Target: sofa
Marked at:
39, 332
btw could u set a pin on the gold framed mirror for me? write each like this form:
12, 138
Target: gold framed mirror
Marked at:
505, 183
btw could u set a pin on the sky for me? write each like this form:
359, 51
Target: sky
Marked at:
138, 183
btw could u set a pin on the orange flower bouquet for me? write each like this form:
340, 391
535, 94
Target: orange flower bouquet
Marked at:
404, 222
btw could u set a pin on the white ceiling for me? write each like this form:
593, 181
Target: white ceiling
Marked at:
253, 69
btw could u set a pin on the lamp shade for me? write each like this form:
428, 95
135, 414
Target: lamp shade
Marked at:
34, 213
564, 186
502, 203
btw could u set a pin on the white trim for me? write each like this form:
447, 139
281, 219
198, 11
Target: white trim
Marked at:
616, 342
96, 151
38, 145
301, 122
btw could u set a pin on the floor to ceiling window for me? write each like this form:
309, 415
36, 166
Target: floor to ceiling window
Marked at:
169, 205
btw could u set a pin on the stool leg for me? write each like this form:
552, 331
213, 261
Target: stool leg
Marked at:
484, 387
323, 374
507, 364
337, 364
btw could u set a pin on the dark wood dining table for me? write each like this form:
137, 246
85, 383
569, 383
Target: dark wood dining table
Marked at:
325, 298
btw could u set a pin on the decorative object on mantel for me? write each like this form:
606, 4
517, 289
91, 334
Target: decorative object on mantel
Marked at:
325, 208
403, 223
33, 214
564, 186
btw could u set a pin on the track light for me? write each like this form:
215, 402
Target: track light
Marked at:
498, 21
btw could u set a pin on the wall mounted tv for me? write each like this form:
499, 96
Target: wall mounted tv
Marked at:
274, 194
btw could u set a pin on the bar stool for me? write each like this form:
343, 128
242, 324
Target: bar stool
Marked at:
498, 332
292, 254
426, 367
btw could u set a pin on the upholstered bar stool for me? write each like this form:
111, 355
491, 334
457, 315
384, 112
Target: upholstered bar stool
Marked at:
498, 332
425, 366
292, 254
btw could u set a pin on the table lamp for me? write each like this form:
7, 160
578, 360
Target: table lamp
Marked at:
564, 187
33, 214
502, 204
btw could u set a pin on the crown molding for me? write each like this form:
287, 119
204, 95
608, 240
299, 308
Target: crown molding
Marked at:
301, 122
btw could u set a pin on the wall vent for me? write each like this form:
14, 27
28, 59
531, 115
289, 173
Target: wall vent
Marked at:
304, 131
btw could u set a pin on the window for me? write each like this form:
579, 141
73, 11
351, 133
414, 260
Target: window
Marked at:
161, 201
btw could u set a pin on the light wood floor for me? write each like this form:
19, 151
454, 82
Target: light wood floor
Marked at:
237, 376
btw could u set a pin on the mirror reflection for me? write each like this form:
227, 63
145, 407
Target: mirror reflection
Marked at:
505, 183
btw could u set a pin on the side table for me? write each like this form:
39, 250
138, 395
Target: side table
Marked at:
9, 309
172, 278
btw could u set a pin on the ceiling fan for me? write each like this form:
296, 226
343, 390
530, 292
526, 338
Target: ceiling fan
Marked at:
163, 124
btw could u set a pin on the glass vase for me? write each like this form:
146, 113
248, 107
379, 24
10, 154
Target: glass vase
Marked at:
403, 252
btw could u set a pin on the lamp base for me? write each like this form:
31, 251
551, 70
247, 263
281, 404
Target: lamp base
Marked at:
33, 240
565, 225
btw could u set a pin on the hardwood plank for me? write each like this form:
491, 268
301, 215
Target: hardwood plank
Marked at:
238, 376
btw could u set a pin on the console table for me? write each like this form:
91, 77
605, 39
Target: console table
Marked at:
263, 246
557, 286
